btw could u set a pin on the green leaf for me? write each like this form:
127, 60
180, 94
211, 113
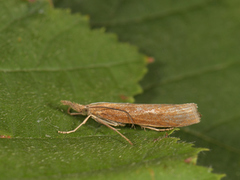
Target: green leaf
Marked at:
48, 55
86, 158
195, 45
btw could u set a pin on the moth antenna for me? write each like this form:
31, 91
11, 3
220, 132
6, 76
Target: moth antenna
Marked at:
129, 116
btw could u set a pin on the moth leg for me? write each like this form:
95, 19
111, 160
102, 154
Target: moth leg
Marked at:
156, 129
112, 123
67, 132
72, 114
106, 124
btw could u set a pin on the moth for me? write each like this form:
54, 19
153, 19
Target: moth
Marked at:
158, 117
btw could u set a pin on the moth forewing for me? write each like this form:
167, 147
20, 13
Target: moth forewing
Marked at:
154, 115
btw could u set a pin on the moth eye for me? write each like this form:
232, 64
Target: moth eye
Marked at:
84, 111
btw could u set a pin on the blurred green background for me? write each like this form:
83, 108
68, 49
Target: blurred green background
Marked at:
196, 47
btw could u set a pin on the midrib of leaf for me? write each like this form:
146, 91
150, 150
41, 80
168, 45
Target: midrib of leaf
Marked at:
93, 66
195, 73
154, 16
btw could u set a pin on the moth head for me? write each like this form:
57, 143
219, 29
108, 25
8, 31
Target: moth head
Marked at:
81, 109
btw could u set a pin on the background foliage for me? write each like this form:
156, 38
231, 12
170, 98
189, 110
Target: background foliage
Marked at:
196, 49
